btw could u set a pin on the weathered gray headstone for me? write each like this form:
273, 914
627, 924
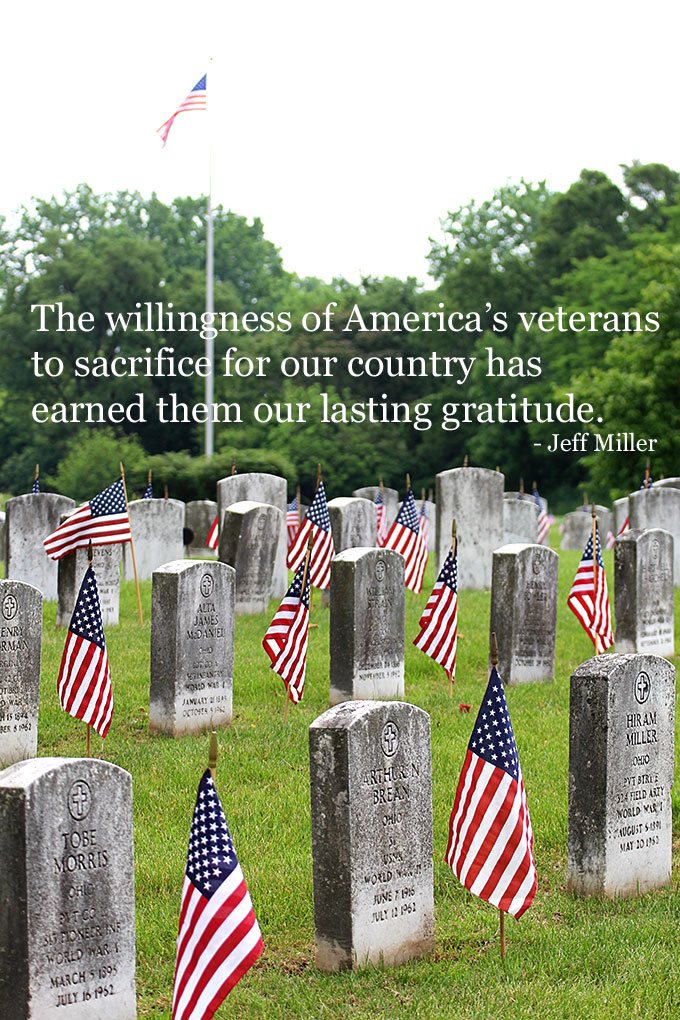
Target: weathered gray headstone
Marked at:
106, 560
20, 634
3, 537
621, 512
157, 533
431, 511
474, 496
578, 527
353, 522
520, 521
524, 611
658, 508
390, 496
367, 625
259, 487
199, 517
621, 736
667, 483
371, 791
643, 592
67, 909
528, 497
192, 646
29, 520
249, 541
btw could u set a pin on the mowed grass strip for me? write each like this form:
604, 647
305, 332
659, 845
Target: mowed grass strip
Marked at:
566, 957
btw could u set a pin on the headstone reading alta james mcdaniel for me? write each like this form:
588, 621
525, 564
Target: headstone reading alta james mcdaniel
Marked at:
106, 560
643, 592
192, 646
250, 534
621, 736
20, 635
371, 798
524, 611
30, 519
67, 891
367, 597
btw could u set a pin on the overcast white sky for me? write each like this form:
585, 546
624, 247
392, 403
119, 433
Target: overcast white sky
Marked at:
350, 128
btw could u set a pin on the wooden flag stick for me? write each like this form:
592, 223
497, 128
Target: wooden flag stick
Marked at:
37, 473
597, 639
647, 474
408, 483
149, 477
212, 753
454, 541
465, 460
521, 487
233, 465
132, 547
299, 508
318, 475
585, 500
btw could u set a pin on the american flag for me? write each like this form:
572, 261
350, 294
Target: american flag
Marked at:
286, 639
490, 837
588, 597
84, 682
438, 636
625, 526
404, 537
219, 938
148, 492
36, 484
380, 519
292, 520
611, 538
213, 539
543, 524
196, 100
104, 520
316, 523
424, 524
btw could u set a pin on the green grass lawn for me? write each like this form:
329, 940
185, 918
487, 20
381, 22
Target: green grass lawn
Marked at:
566, 957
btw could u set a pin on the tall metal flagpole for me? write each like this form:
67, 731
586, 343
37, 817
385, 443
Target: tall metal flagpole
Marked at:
209, 305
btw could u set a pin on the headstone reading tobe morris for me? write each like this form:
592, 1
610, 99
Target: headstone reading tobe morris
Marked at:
474, 497
192, 646
371, 800
30, 519
621, 736
250, 534
67, 902
20, 634
367, 625
643, 592
524, 611
106, 560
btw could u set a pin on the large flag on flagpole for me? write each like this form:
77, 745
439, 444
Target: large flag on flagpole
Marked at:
286, 639
84, 682
103, 521
219, 938
491, 842
438, 635
404, 537
316, 523
196, 100
589, 598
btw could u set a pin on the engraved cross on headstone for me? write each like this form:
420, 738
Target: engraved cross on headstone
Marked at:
390, 737
78, 800
642, 688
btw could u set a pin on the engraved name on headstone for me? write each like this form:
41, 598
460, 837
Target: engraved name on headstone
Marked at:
20, 635
524, 611
621, 736
192, 646
67, 915
643, 592
371, 794
367, 625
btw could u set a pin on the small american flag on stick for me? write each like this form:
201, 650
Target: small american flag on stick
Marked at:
286, 639
293, 518
219, 938
543, 526
317, 523
84, 682
405, 538
589, 598
196, 100
490, 847
103, 521
438, 636
380, 519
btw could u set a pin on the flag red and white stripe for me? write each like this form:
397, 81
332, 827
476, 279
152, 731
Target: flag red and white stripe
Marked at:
404, 537
219, 938
490, 846
380, 519
103, 521
438, 635
543, 526
196, 100
589, 598
625, 526
292, 520
84, 681
316, 523
213, 539
286, 639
